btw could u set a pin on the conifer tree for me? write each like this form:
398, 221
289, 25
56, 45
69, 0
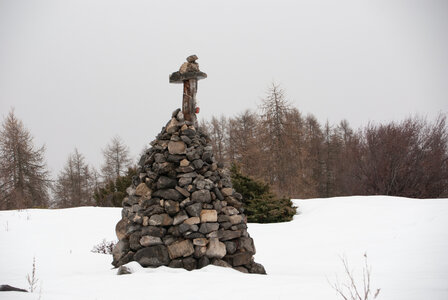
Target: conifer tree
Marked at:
24, 178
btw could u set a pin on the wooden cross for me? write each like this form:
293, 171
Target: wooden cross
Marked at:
189, 74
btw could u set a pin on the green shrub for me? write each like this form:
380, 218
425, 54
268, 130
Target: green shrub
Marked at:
113, 192
260, 204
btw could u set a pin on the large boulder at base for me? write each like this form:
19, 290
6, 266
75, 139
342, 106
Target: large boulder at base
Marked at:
181, 210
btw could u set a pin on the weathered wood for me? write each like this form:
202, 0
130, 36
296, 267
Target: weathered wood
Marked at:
189, 74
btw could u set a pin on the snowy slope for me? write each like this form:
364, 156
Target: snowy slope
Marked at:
406, 241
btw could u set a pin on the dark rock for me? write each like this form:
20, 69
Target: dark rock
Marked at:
8, 288
220, 263
208, 227
154, 256
180, 217
128, 257
239, 259
184, 181
241, 269
159, 158
201, 196
172, 207
154, 231
166, 182
176, 263
180, 249
134, 241
189, 263
154, 209
195, 235
175, 158
168, 194
256, 268
184, 192
194, 210
230, 247
203, 262
230, 235
198, 163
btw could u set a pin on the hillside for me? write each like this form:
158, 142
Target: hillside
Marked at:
406, 241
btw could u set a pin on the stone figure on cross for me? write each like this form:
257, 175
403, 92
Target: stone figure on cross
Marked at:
189, 74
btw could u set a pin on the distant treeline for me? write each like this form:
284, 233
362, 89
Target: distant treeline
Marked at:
294, 154
301, 158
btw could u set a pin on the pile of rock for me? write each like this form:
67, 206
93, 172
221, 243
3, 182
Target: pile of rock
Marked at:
181, 210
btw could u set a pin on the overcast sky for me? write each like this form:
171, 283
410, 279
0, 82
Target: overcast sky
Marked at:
80, 72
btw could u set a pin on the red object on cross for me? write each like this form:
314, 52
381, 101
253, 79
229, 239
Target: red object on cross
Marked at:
197, 110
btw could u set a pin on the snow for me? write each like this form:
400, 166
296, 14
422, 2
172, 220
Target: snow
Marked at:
406, 241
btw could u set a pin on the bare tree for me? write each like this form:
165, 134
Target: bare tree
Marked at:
116, 159
24, 178
75, 183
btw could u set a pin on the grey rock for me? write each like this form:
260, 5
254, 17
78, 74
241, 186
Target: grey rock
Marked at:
241, 269
154, 231
201, 196
180, 249
215, 249
148, 240
171, 207
184, 192
194, 210
168, 194
177, 147
203, 261
256, 268
208, 227
154, 256
180, 217
220, 263
134, 241
209, 215
166, 182
230, 247
184, 181
239, 259
120, 249
176, 263
192, 221
230, 235
189, 263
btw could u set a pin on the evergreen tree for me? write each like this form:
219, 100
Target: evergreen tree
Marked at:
24, 178
114, 191
260, 204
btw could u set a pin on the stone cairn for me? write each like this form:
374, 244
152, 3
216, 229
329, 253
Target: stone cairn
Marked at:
181, 210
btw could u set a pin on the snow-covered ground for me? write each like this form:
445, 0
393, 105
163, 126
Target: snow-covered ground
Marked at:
406, 241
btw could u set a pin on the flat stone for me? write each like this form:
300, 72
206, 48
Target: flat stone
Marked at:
180, 217
184, 162
199, 251
148, 240
143, 190
194, 210
208, 227
160, 220
230, 235
181, 249
209, 215
187, 175
178, 147
230, 211
154, 256
236, 219
185, 181
201, 196
227, 192
172, 126
184, 192
200, 242
215, 249
154, 231
192, 221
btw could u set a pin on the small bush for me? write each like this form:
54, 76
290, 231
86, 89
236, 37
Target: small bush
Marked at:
260, 204
104, 247
31, 278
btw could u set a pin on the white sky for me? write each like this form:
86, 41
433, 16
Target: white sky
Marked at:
80, 72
